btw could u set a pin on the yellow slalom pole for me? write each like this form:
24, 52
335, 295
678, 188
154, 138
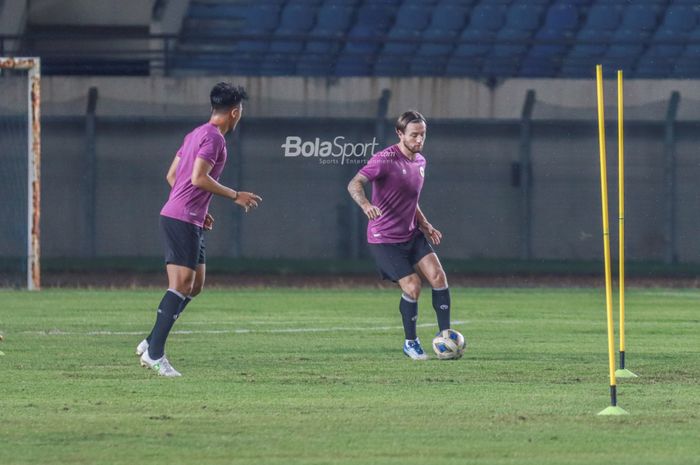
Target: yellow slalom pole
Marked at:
622, 372
613, 409
621, 188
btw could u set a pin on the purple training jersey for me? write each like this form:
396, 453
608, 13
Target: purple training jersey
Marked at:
396, 185
187, 202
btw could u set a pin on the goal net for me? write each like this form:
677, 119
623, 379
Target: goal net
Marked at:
19, 172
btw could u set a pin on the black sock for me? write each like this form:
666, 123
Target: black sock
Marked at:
409, 315
441, 304
165, 318
184, 303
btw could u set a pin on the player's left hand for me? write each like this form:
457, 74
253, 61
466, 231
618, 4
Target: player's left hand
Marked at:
432, 233
208, 222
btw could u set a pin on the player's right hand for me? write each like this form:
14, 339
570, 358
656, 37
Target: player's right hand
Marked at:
372, 212
247, 200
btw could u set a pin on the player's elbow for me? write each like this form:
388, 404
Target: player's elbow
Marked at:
197, 181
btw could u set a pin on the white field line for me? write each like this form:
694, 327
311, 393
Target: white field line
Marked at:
58, 332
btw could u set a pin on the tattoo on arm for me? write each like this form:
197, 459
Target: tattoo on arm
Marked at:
356, 187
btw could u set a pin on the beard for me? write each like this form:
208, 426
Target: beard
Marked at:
413, 149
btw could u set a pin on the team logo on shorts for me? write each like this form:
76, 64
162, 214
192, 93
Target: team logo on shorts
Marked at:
422, 171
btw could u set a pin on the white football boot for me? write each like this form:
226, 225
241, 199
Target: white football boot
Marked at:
142, 347
161, 366
414, 350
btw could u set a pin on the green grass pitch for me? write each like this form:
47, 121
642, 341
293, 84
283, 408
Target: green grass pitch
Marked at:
318, 377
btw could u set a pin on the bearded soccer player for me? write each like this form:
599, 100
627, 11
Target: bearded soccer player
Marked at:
193, 177
398, 231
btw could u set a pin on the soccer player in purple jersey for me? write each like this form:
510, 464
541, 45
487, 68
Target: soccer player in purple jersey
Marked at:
194, 178
397, 228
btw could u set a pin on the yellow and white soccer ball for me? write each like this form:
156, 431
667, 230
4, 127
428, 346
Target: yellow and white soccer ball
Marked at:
449, 344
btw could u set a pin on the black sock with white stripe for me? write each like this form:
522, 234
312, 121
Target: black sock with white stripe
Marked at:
409, 314
184, 303
441, 304
165, 318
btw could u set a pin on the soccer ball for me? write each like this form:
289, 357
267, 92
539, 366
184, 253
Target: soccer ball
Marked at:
449, 344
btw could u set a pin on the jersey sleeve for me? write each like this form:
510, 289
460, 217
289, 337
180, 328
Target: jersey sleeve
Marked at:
211, 148
374, 168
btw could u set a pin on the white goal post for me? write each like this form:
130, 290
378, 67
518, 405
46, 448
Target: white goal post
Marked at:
33, 67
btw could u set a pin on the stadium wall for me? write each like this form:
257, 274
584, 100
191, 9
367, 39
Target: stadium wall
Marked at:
471, 193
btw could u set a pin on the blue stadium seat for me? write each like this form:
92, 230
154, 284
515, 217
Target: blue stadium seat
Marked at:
680, 18
538, 67
428, 66
261, 17
297, 17
448, 17
376, 16
650, 66
604, 17
333, 17
391, 65
437, 49
253, 45
626, 43
551, 43
692, 49
511, 43
562, 16
402, 41
495, 67
353, 65
640, 17
489, 16
311, 65
365, 40
524, 16
591, 43
474, 43
461, 66
332, 22
412, 17
668, 42
278, 65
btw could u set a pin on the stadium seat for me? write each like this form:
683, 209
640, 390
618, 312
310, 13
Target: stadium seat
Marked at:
626, 43
651, 66
428, 66
278, 65
362, 39
401, 41
376, 17
461, 66
353, 65
334, 17
524, 16
562, 16
489, 16
263, 17
448, 17
641, 18
551, 43
474, 43
590, 43
297, 17
603, 17
391, 65
511, 43
314, 65
441, 45
682, 18
412, 17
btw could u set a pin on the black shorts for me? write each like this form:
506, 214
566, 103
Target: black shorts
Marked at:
184, 242
396, 261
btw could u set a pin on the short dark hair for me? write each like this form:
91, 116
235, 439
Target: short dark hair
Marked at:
225, 95
408, 117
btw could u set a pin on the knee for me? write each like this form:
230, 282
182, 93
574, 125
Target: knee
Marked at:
412, 288
196, 289
437, 279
